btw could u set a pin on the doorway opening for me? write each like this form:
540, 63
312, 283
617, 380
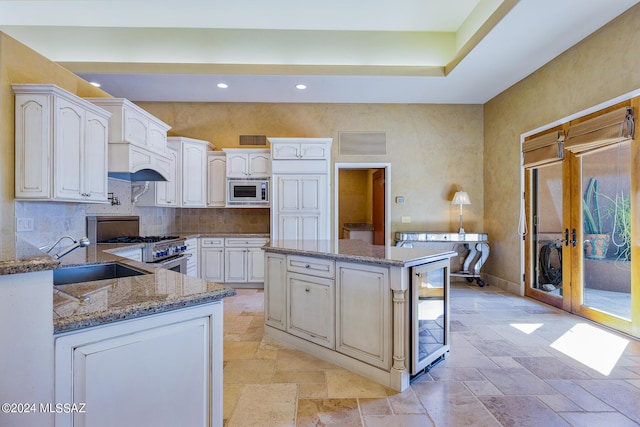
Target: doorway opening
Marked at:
362, 202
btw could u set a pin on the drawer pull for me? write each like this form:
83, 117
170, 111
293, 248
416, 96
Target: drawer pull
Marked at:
307, 266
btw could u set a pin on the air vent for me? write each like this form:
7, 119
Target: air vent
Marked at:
363, 143
260, 140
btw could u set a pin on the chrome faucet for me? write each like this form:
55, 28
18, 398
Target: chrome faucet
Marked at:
49, 248
82, 243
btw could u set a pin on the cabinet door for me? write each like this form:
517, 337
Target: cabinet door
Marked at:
314, 151
95, 158
68, 150
363, 326
275, 290
136, 127
33, 146
255, 265
311, 308
167, 192
169, 389
157, 141
192, 254
285, 151
193, 175
237, 165
216, 180
299, 193
303, 230
235, 264
212, 264
259, 165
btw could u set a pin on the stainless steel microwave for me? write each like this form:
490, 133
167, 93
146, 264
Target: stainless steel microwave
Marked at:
248, 192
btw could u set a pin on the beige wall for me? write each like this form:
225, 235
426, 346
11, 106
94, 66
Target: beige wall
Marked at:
433, 149
19, 64
601, 67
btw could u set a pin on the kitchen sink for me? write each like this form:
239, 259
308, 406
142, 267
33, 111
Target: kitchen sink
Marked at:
90, 273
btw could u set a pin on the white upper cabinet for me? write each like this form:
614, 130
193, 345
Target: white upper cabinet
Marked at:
248, 163
61, 146
300, 149
216, 178
137, 139
168, 192
192, 170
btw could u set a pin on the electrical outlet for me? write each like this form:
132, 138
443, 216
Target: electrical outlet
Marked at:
24, 224
406, 219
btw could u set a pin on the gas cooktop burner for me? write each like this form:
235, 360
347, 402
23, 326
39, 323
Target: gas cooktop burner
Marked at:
139, 239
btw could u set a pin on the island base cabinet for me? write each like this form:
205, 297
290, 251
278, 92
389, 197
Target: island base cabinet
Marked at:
275, 295
164, 370
363, 325
311, 308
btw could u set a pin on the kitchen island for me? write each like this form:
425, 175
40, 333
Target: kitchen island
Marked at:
140, 350
350, 304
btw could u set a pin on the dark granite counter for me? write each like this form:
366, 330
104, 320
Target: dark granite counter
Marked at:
365, 253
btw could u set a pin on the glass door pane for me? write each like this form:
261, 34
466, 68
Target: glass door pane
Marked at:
606, 226
547, 234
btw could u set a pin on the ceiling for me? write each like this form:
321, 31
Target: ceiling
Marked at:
355, 51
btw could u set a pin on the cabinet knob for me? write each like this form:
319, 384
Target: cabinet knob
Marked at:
307, 266
306, 289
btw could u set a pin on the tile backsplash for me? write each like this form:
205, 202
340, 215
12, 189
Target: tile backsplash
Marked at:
52, 220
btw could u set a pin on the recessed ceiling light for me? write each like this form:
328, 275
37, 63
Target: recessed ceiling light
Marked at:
301, 86
223, 85
96, 84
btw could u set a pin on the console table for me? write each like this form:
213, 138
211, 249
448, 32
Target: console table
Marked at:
476, 243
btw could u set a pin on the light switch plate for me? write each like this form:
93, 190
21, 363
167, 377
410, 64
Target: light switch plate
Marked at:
406, 219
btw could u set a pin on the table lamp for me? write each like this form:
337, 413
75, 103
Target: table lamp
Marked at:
461, 198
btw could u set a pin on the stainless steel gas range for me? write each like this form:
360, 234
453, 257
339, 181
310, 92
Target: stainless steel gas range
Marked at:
166, 251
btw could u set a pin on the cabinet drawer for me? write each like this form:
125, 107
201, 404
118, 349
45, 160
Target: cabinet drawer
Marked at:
212, 242
240, 242
311, 266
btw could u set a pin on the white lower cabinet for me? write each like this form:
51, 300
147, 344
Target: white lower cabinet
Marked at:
212, 259
160, 370
236, 260
344, 306
363, 310
192, 256
275, 295
311, 308
235, 264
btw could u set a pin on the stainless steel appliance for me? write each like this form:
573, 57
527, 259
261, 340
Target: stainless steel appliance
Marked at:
248, 192
167, 251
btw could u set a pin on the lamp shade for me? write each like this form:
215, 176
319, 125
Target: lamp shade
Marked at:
461, 198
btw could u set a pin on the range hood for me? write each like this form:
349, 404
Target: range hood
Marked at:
141, 175
133, 163
137, 142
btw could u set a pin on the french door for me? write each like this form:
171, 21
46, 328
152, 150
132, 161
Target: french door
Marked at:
581, 247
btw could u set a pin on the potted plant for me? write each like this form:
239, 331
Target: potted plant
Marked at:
620, 213
596, 242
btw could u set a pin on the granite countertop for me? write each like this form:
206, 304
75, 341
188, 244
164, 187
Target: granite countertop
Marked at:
18, 256
125, 298
362, 252
87, 304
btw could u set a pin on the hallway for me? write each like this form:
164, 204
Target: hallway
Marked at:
513, 362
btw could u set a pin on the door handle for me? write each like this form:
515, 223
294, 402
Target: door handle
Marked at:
566, 237
574, 240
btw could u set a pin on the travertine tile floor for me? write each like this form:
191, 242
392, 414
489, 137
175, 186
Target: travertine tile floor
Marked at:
513, 362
